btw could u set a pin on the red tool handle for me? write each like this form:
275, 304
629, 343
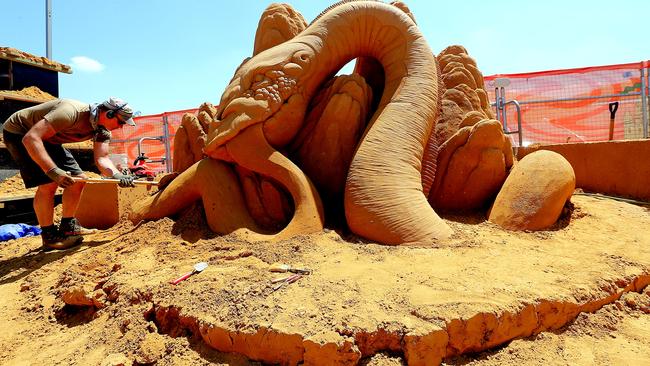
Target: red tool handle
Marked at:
181, 278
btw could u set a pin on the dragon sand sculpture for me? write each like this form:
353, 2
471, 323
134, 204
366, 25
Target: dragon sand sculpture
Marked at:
405, 133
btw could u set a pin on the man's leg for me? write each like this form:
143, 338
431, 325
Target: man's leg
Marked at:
44, 208
44, 204
71, 197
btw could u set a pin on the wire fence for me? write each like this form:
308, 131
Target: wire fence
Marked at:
574, 105
153, 136
558, 106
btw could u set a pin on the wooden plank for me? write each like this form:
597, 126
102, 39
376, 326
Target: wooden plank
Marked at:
35, 64
16, 198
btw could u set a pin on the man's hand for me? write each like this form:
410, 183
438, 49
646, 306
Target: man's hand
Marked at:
60, 177
125, 180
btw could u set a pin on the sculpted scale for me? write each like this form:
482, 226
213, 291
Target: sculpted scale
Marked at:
290, 144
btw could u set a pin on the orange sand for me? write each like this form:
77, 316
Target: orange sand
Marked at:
364, 303
32, 92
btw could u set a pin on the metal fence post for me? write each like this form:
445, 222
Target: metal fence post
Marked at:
168, 153
644, 100
496, 104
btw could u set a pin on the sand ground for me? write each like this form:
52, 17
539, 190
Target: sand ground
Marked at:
575, 294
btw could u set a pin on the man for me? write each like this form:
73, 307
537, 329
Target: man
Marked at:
34, 136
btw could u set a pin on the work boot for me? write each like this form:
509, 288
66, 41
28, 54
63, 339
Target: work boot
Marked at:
53, 239
70, 226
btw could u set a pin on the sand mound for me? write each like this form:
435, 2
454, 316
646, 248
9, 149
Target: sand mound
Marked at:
31, 92
563, 294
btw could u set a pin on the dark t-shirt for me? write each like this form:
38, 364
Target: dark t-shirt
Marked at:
69, 118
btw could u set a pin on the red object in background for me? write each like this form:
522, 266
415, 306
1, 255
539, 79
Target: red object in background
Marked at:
140, 168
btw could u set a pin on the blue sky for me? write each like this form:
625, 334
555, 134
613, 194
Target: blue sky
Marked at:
167, 55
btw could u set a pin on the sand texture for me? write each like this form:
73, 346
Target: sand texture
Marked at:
570, 295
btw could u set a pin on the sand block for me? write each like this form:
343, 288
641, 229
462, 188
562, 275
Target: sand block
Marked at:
101, 205
606, 167
98, 206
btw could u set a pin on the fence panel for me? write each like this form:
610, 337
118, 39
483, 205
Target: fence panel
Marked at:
573, 105
125, 140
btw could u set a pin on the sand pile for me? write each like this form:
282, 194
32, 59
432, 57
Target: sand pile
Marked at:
565, 293
32, 92
14, 187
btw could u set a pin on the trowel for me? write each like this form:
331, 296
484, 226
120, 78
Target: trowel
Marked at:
199, 267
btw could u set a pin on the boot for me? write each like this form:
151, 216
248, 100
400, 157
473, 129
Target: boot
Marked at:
71, 226
53, 239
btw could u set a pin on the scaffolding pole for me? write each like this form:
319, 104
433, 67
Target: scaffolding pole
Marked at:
48, 29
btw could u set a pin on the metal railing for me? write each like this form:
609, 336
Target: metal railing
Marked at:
164, 139
501, 113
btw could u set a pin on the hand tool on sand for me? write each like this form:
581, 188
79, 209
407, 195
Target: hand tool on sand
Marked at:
199, 267
613, 106
115, 181
291, 279
281, 267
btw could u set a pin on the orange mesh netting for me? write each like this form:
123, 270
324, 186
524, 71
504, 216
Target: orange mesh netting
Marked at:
573, 105
125, 141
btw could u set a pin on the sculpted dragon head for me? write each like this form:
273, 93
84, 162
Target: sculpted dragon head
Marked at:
268, 88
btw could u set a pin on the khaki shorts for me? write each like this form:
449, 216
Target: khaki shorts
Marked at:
31, 173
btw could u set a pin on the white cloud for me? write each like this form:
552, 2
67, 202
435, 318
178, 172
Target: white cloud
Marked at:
86, 64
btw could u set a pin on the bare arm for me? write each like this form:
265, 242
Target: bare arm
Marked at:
104, 164
33, 141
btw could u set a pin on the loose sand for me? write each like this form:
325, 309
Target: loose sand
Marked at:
572, 295
32, 92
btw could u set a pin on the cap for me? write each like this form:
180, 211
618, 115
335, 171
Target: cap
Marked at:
122, 110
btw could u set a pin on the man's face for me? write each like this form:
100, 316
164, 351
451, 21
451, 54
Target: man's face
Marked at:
110, 123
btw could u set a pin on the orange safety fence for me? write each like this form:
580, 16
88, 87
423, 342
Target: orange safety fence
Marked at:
557, 106
125, 140
573, 105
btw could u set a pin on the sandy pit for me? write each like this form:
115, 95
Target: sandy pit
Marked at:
575, 294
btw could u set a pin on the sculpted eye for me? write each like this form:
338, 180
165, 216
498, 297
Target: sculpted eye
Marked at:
302, 58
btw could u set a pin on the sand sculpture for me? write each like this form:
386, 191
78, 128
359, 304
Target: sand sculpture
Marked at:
287, 133
533, 196
474, 155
